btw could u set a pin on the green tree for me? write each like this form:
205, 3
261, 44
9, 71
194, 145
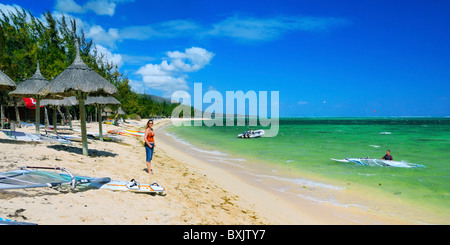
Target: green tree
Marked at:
25, 39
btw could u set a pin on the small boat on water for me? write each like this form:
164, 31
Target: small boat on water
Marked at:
251, 134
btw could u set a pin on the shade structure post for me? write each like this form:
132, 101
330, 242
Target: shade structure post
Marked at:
45, 118
38, 115
2, 112
99, 118
54, 119
100, 102
68, 117
81, 101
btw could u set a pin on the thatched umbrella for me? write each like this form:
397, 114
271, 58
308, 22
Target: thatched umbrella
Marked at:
67, 101
30, 89
6, 84
120, 111
80, 81
100, 102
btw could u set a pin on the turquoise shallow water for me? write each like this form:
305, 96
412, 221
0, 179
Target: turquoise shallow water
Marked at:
305, 146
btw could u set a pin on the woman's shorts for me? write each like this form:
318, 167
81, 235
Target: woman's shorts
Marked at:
149, 152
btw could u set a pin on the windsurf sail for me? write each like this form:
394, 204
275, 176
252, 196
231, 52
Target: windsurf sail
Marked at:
34, 177
13, 222
31, 125
54, 138
22, 136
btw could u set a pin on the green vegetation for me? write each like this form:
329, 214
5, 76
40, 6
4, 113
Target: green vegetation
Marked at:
24, 39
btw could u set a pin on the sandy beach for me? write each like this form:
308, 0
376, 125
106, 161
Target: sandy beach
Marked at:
197, 192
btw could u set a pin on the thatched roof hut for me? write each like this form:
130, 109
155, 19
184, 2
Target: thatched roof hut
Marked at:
30, 88
67, 101
80, 81
6, 83
119, 111
100, 102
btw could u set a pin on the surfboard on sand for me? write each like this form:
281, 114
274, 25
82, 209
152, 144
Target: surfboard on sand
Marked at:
133, 186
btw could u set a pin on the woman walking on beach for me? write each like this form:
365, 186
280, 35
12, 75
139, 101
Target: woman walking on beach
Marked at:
149, 138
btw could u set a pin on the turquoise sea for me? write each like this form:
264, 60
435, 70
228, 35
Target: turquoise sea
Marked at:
297, 160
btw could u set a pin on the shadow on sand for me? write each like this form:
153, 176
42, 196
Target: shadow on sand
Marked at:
18, 142
92, 152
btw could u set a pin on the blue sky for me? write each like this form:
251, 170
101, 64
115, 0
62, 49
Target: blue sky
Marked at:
326, 58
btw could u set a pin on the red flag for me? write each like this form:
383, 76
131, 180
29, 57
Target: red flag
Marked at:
30, 102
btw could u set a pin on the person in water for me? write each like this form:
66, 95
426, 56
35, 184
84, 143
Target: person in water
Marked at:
149, 138
388, 156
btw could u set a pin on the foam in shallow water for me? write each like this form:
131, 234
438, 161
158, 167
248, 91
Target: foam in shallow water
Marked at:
305, 146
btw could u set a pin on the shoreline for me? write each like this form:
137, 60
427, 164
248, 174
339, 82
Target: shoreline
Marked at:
191, 198
198, 192
278, 207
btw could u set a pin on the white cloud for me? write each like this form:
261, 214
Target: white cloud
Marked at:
108, 56
58, 15
69, 6
167, 84
100, 7
100, 36
192, 59
136, 86
9, 8
95, 32
170, 75
266, 29
247, 28
168, 29
239, 28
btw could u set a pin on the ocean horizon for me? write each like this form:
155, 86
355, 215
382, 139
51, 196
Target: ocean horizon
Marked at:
297, 162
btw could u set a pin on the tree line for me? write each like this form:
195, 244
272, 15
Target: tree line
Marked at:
25, 39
